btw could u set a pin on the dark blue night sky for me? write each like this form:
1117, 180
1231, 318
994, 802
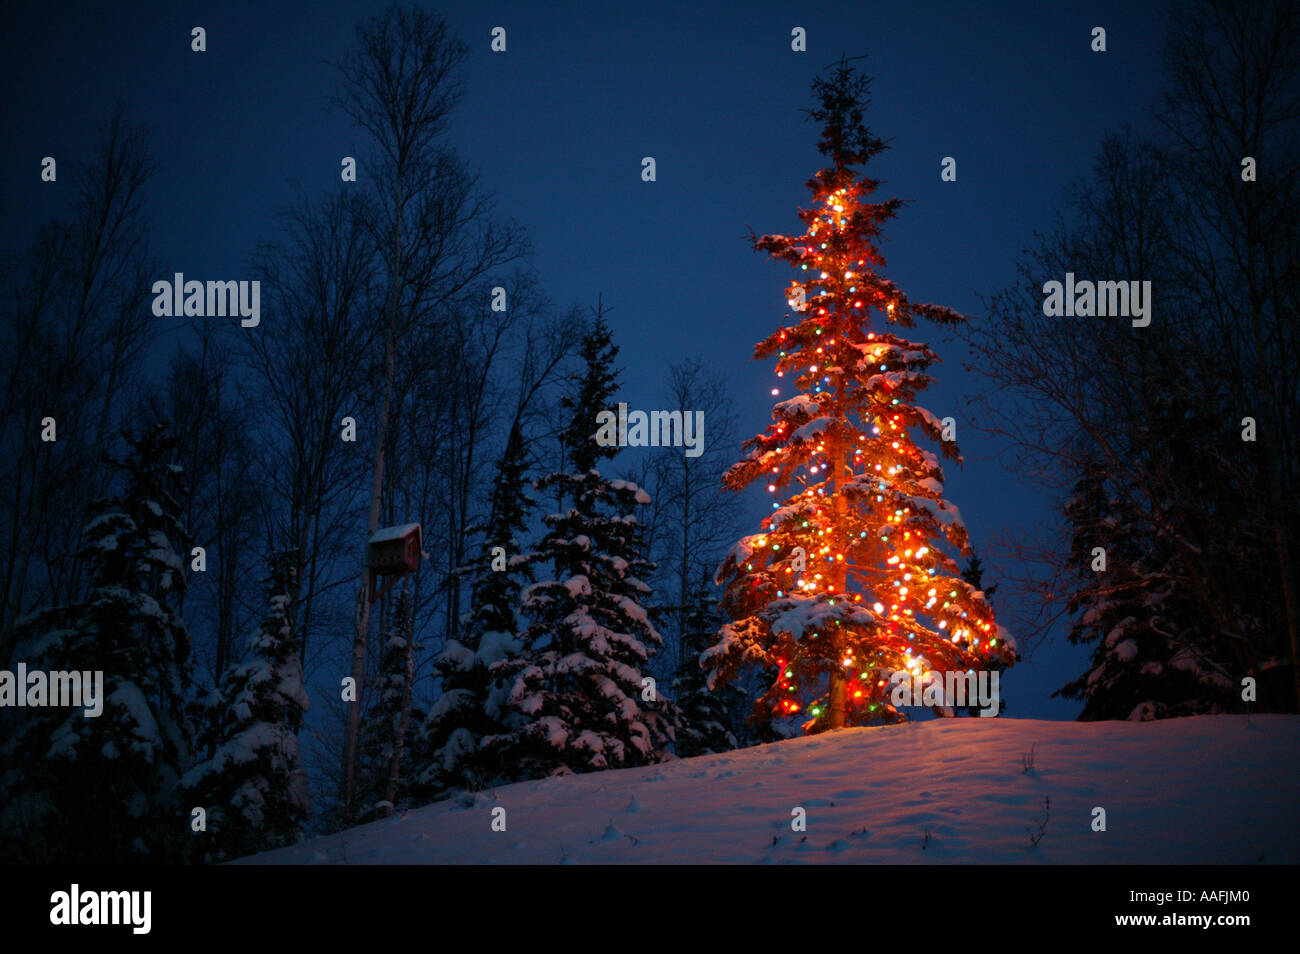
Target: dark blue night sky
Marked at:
558, 126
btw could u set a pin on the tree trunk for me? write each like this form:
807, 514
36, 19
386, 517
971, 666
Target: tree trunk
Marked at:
839, 689
363, 598
399, 743
841, 473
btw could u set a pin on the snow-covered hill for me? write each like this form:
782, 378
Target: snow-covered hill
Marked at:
1209, 789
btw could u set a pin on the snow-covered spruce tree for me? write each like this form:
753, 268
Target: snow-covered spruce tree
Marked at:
848, 581
254, 787
576, 696
1180, 613
974, 575
1154, 654
470, 706
103, 788
385, 755
705, 716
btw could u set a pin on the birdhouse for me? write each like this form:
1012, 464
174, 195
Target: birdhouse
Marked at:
393, 552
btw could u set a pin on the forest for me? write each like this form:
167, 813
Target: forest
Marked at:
197, 518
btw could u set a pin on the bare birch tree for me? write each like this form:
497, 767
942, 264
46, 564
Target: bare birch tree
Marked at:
431, 224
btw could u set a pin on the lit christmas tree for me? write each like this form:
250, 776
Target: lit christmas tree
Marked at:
849, 582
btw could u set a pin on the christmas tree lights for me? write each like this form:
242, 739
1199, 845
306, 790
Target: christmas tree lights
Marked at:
848, 581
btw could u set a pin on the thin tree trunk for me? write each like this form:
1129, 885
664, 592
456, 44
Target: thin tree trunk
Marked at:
839, 569
399, 743
363, 598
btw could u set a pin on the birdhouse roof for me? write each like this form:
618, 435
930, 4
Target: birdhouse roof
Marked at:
394, 533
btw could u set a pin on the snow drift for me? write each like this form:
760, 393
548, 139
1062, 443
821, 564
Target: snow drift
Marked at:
1205, 789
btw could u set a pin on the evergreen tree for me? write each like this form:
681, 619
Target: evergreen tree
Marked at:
254, 787
385, 752
102, 788
974, 575
848, 582
575, 698
471, 704
1154, 656
705, 715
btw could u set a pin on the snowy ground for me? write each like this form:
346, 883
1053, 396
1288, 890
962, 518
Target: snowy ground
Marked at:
1210, 789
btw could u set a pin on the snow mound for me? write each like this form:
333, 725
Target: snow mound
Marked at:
1200, 790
